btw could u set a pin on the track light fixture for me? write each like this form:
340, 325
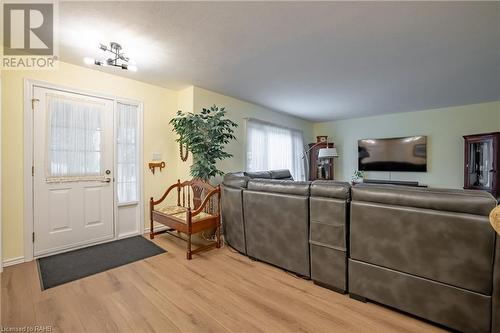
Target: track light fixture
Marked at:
117, 60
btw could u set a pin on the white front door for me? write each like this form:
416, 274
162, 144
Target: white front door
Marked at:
73, 170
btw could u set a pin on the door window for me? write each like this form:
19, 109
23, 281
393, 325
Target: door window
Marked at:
75, 138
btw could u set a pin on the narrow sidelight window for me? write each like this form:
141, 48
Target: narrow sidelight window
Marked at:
127, 153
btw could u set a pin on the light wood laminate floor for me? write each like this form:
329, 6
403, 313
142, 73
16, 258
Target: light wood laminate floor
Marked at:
217, 291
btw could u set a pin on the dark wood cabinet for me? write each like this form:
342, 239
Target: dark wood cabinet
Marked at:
320, 168
482, 159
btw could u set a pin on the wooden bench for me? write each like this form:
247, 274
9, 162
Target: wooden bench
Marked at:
204, 215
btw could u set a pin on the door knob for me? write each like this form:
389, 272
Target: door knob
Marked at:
106, 180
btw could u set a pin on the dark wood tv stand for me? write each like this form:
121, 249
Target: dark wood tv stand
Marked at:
392, 182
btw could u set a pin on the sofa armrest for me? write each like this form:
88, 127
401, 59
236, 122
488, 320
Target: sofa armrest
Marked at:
235, 180
495, 323
331, 189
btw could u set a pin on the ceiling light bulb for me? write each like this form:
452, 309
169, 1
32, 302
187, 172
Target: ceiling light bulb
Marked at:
88, 61
132, 68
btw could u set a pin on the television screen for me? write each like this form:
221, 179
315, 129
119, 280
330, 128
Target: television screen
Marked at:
394, 154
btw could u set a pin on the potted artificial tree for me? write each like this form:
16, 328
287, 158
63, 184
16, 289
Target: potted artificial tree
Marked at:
205, 135
358, 177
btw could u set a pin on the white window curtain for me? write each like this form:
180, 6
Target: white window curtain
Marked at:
74, 138
271, 147
127, 153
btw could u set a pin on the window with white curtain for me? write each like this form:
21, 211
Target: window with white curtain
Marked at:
75, 138
271, 147
127, 153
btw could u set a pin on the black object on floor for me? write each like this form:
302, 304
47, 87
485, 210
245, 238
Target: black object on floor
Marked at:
69, 266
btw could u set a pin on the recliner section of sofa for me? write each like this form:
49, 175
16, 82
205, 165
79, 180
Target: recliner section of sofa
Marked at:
424, 251
269, 220
276, 218
329, 208
232, 203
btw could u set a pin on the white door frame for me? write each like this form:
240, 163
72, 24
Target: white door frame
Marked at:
28, 156
1, 257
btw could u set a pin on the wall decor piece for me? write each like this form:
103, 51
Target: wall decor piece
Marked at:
154, 165
183, 152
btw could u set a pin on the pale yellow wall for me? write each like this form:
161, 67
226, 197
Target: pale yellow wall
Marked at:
159, 106
239, 110
444, 129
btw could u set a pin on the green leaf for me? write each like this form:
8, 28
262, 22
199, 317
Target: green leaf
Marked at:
205, 134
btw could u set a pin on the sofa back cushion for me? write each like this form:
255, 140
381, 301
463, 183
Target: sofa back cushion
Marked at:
272, 174
258, 174
281, 174
279, 186
434, 234
450, 200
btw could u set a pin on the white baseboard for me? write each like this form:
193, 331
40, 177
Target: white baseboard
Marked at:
129, 234
13, 261
155, 228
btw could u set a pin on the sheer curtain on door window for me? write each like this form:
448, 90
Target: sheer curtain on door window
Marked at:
271, 147
127, 153
74, 138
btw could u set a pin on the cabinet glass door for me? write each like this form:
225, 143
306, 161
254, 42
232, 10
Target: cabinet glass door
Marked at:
480, 164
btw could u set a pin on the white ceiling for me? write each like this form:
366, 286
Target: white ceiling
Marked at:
315, 60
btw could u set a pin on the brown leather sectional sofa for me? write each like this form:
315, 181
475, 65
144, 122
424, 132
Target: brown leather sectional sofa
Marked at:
428, 252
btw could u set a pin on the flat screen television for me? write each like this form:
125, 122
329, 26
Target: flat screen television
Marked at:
393, 154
